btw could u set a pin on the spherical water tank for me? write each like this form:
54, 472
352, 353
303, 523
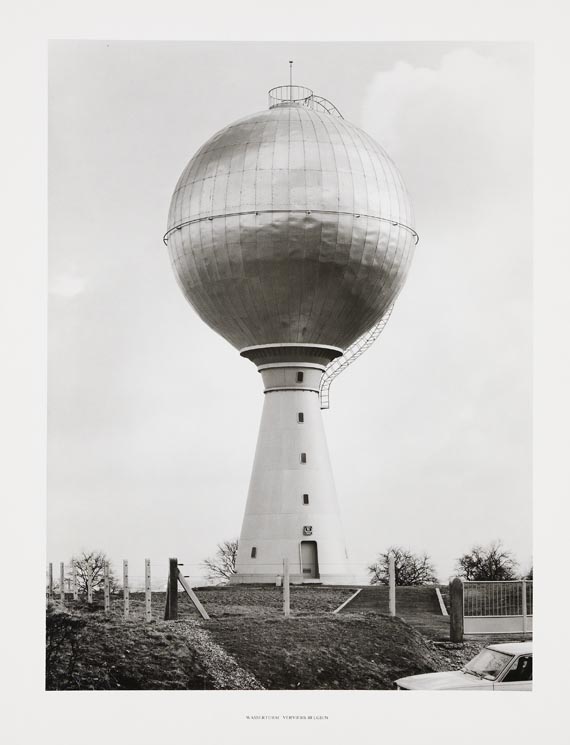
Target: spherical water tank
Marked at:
290, 226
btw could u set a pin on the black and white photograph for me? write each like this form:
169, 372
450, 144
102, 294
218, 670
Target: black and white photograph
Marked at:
239, 261
291, 453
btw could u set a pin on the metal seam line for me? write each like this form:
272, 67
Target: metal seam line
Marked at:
286, 212
364, 243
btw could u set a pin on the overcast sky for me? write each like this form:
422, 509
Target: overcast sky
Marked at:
152, 417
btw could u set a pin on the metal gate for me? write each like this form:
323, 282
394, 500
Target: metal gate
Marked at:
497, 607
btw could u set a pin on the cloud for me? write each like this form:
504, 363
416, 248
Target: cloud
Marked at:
459, 127
67, 286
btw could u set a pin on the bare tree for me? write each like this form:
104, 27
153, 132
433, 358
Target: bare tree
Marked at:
222, 566
91, 564
487, 564
409, 568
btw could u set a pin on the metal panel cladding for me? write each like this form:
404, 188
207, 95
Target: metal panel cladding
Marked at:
290, 225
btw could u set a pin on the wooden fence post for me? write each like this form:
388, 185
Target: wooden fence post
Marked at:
147, 590
286, 597
392, 583
523, 592
50, 581
192, 595
456, 615
125, 588
106, 587
89, 573
62, 582
171, 610
74, 579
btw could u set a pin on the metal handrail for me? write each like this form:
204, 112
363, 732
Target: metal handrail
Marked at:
326, 105
494, 581
306, 212
282, 95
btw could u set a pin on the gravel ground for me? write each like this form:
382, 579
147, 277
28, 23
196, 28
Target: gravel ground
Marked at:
457, 654
221, 666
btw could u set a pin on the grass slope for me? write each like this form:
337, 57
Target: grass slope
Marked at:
360, 651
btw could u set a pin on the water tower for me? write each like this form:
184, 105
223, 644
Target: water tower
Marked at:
290, 233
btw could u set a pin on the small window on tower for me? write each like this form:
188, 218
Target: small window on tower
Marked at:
300, 417
300, 376
303, 457
253, 552
305, 499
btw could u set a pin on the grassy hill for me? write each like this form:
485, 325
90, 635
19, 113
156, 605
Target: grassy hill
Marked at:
361, 651
246, 644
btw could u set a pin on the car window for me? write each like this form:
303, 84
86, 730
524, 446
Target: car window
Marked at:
521, 670
488, 664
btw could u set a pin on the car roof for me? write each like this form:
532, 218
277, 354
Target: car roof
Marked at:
512, 647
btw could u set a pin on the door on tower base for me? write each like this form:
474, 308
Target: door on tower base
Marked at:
309, 560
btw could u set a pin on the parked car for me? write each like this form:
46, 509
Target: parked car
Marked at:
497, 667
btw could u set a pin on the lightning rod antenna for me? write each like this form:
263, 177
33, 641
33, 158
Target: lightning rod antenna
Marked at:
291, 76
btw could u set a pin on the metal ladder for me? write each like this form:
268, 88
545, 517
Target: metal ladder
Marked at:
319, 103
351, 354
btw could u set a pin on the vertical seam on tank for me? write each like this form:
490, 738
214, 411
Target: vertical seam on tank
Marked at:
276, 302
319, 263
283, 306
230, 268
347, 130
357, 143
306, 227
312, 123
289, 262
341, 133
252, 304
213, 251
192, 244
386, 162
320, 325
232, 319
237, 303
205, 302
372, 149
260, 301
256, 207
299, 303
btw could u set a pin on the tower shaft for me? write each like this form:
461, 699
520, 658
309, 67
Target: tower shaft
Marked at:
292, 509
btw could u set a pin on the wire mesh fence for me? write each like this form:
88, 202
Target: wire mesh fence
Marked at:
95, 585
140, 588
512, 598
142, 597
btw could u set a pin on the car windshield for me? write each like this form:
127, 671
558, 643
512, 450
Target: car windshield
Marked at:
488, 664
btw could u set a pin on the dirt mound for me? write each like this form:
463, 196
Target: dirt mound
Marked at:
249, 644
327, 652
92, 653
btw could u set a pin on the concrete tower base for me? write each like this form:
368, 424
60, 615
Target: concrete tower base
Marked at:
292, 509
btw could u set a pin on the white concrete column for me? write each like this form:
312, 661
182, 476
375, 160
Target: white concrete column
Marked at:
292, 496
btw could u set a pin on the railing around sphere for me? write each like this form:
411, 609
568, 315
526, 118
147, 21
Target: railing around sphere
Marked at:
300, 95
287, 94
